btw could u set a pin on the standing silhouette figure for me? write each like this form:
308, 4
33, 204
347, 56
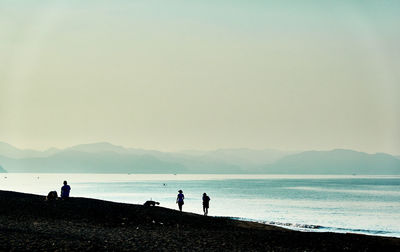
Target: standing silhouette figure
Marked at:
179, 199
206, 203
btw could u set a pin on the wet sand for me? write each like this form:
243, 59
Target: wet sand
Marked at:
28, 222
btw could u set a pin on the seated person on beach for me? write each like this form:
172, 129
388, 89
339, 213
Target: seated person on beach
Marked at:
206, 203
179, 199
52, 195
65, 190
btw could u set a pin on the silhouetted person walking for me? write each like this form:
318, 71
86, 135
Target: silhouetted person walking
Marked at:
65, 190
206, 203
179, 200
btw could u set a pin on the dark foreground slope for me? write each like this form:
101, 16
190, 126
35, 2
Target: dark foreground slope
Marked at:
28, 222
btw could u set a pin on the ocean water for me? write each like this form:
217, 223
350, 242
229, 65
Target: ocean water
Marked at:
318, 203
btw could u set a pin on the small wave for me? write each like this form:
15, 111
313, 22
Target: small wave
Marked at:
293, 225
364, 231
318, 228
280, 224
308, 227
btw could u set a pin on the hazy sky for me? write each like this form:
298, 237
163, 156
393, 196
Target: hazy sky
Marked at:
173, 75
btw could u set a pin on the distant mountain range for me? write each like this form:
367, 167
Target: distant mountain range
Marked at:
8, 150
337, 161
109, 158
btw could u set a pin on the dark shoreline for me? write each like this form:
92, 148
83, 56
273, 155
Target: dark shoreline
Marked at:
28, 222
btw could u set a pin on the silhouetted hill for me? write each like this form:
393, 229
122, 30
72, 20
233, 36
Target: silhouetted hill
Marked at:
99, 147
108, 158
8, 150
242, 156
84, 162
336, 162
2, 170
214, 161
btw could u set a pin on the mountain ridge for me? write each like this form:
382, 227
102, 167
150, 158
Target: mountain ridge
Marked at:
337, 161
104, 157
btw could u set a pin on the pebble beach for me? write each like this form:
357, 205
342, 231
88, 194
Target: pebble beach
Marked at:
30, 223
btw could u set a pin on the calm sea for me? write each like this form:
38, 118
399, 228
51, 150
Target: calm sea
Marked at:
358, 204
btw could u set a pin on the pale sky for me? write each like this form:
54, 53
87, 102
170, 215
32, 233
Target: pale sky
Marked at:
174, 75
